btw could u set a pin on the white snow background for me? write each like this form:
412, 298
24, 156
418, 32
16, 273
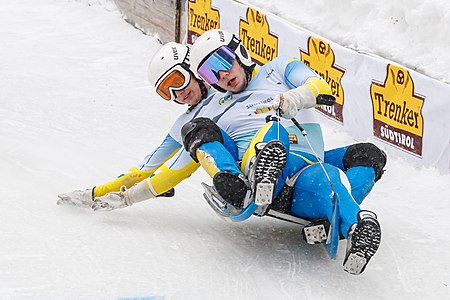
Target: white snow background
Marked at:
76, 110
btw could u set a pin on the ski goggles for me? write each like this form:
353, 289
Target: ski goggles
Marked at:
220, 60
175, 79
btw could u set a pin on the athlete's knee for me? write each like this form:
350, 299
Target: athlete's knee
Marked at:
365, 154
198, 132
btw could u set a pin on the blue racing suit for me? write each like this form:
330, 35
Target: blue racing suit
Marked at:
242, 119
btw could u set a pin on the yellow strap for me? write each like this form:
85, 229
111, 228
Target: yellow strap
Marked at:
304, 158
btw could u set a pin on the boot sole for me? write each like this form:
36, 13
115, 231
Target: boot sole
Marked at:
317, 231
365, 241
268, 166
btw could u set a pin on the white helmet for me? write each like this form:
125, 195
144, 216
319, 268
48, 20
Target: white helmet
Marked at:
169, 70
211, 41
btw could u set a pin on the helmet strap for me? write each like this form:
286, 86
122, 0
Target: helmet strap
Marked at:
234, 43
219, 88
248, 70
203, 89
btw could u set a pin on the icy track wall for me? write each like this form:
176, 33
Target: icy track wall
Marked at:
378, 100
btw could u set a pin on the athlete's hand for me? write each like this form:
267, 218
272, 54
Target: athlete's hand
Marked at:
291, 102
111, 201
287, 109
80, 198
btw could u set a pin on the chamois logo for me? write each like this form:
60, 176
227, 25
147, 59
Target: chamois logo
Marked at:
256, 36
201, 18
320, 57
397, 111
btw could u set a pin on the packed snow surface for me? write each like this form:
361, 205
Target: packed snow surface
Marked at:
76, 110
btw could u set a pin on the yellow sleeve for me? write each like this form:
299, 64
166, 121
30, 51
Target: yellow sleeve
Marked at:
172, 172
134, 176
129, 179
318, 86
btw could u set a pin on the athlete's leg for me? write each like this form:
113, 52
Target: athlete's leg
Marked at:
217, 154
363, 164
313, 196
210, 145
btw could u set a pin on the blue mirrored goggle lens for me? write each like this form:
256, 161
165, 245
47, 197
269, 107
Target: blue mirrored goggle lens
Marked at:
220, 60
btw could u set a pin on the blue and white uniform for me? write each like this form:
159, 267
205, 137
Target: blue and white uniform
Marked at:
168, 164
243, 118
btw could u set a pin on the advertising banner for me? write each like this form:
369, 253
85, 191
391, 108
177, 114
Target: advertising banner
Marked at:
404, 112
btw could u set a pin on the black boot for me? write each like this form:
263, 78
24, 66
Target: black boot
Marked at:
231, 187
362, 242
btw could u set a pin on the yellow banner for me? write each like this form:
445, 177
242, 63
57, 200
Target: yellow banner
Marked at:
256, 36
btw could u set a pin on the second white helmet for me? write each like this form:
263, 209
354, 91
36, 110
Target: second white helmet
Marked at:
169, 70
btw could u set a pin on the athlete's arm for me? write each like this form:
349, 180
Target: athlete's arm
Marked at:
167, 149
306, 86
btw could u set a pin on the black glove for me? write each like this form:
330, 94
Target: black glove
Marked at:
324, 99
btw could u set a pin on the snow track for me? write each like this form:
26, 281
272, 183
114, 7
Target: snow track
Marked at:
76, 110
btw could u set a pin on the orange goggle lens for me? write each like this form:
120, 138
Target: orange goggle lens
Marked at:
172, 82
